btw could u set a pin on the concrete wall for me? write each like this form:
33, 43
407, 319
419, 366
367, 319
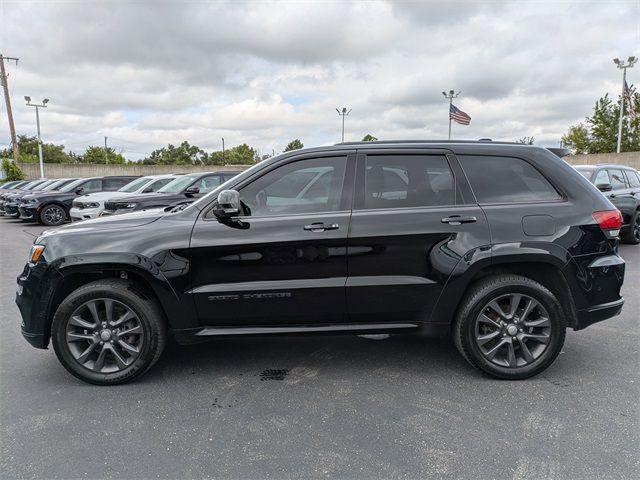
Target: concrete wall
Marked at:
632, 159
61, 170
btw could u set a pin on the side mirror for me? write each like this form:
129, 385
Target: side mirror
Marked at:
192, 191
228, 205
604, 187
79, 191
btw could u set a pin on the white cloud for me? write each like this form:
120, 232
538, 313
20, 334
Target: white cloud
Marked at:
149, 73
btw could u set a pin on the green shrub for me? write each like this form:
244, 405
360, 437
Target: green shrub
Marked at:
11, 170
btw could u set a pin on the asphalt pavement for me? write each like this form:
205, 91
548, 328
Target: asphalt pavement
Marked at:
322, 407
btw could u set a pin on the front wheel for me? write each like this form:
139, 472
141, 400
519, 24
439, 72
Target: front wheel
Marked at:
108, 332
510, 327
52, 215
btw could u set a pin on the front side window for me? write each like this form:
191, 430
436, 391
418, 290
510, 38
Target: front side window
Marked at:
397, 181
617, 179
602, 178
135, 185
207, 184
158, 184
178, 184
506, 180
305, 186
91, 186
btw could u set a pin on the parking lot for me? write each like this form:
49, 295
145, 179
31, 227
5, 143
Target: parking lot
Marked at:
311, 407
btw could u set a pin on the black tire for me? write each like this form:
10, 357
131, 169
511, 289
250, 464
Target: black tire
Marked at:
632, 235
146, 311
475, 307
52, 215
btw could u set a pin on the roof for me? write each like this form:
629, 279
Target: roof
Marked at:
608, 165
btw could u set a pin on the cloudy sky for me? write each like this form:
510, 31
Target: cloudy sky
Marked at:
147, 73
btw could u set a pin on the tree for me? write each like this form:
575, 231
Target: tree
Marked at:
11, 170
599, 134
294, 145
526, 140
51, 153
241, 155
369, 138
184, 154
577, 139
97, 155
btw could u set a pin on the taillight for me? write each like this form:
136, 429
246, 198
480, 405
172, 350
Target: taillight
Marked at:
609, 221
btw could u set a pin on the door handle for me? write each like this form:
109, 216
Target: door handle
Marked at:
321, 227
458, 220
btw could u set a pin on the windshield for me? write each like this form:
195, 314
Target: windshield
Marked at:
42, 185
179, 184
73, 185
586, 172
30, 186
54, 185
137, 184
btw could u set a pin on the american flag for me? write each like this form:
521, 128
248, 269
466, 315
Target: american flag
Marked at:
626, 93
458, 115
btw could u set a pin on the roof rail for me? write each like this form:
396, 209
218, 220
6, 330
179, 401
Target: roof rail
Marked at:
383, 142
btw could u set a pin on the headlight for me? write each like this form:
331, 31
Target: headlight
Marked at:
33, 201
126, 205
91, 205
36, 253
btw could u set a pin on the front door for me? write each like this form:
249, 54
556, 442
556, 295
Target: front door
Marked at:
410, 227
284, 261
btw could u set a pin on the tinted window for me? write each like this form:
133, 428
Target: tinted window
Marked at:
632, 178
602, 178
158, 184
112, 184
585, 172
91, 186
506, 179
206, 184
306, 186
617, 179
407, 181
178, 184
135, 185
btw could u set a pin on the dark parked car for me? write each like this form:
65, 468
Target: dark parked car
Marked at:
503, 245
11, 185
183, 190
621, 184
9, 200
52, 208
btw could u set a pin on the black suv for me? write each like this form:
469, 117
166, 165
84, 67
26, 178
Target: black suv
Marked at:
504, 245
621, 184
9, 200
183, 190
52, 208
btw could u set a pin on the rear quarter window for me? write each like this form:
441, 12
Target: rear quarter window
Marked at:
506, 179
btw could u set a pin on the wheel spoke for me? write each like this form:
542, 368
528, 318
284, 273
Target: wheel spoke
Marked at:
493, 305
100, 360
511, 354
119, 360
492, 353
124, 318
515, 302
539, 338
78, 321
482, 339
484, 319
541, 322
80, 337
82, 358
132, 331
526, 353
528, 308
108, 311
128, 347
91, 306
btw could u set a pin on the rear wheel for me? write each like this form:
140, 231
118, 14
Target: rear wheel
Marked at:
52, 215
108, 332
510, 327
632, 235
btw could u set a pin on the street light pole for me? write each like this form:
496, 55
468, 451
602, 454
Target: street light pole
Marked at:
343, 113
38, 106
621, 65
451, 95
223, 159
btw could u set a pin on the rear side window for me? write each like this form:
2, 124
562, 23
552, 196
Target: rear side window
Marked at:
207, 184
617, 179
399, 181
632, 178
506, 179
602, 178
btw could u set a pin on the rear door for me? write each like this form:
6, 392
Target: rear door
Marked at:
410, 226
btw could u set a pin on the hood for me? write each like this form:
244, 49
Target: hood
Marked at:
124, 221
42, 196
99, 196
155, 198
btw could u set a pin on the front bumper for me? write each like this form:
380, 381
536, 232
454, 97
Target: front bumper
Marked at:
27, 212
79, 214
11, 210
32, 298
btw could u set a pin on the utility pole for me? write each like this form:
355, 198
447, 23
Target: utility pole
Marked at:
343, 113
451, 95
38, 106
106, 160
224, 161
620, 64
7, 100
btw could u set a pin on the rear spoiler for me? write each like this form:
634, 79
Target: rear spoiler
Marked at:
560, 152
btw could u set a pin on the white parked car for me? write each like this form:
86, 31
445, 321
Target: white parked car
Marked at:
92, 205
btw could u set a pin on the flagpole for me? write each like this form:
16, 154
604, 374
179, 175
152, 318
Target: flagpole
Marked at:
450, 96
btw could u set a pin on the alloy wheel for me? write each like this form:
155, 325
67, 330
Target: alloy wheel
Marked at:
104, 335
512, 330
636, 228
54, 215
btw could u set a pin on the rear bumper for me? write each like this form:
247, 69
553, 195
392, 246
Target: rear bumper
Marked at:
598, 313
